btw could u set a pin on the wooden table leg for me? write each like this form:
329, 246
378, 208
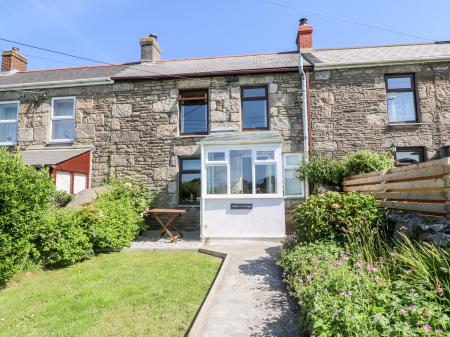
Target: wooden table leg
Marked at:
166, 227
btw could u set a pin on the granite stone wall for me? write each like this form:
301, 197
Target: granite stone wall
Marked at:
349, 110
134, 125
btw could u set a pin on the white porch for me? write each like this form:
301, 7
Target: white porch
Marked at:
242, 186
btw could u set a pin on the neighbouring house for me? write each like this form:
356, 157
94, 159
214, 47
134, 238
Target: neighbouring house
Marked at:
223, 136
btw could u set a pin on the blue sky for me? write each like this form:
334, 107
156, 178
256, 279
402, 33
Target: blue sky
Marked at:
109, 30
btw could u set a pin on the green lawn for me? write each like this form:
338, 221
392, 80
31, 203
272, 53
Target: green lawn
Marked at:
120, 294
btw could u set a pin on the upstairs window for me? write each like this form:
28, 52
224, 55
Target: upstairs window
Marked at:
190, 181
9, 112
193, 112
254, 108
63, 119
409, 155
401, 99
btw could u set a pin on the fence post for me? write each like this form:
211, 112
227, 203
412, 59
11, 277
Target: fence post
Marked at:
447, 185
383, 188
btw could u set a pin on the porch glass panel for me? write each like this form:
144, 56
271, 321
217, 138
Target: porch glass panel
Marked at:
266, 178
241, 181
216, 177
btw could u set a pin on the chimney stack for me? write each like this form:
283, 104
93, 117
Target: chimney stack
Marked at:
150, 50
304, 35
12, 60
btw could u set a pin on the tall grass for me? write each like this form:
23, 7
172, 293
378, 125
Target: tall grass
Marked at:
423, 264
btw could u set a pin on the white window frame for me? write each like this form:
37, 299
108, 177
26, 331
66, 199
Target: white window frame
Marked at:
11, 121
58, 118
277, 161
292, 167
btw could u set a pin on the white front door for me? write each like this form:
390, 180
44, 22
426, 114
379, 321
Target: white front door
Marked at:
79, 182
63, 181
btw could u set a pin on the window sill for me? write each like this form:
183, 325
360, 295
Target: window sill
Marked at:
196, 135
294, 197
394, 125
61, 142
188, 206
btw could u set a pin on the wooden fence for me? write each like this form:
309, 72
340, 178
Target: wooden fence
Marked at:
423, 187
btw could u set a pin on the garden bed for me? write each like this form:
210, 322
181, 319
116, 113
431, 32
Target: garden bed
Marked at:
352, 279
118, 294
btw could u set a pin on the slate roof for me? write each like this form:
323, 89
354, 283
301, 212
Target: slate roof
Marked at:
51, 75
213, 65
328, 58
223, 65
50, 156
161, 69
248, 137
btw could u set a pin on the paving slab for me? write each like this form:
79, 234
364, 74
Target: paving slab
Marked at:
251, 299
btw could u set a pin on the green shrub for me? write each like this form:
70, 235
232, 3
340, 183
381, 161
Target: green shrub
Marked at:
321, 169
115, 215
25, 196
342, 295
337, 215
62, 198
366, 161
324, 170
62, 238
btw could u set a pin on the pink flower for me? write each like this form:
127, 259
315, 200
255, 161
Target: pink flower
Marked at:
349, 293
344, 256
403, 311
314, 259
359, 264
440, 291
438, 330
336, 264
309, 277
426, 328
371, 268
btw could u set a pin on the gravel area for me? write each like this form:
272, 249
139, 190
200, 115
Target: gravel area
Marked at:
151, 241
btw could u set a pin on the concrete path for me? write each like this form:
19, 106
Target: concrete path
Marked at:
252, 299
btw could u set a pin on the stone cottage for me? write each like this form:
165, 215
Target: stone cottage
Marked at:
222, 136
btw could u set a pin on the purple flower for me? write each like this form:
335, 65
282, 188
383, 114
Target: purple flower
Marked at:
336, 264
426, 328
314, 259
371, 268
403, 311
359, 264
438, 330
409, 271
349, 293
344, 256
411, 307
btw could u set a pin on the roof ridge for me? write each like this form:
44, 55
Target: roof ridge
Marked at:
380, 46
78, 67
227, 56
